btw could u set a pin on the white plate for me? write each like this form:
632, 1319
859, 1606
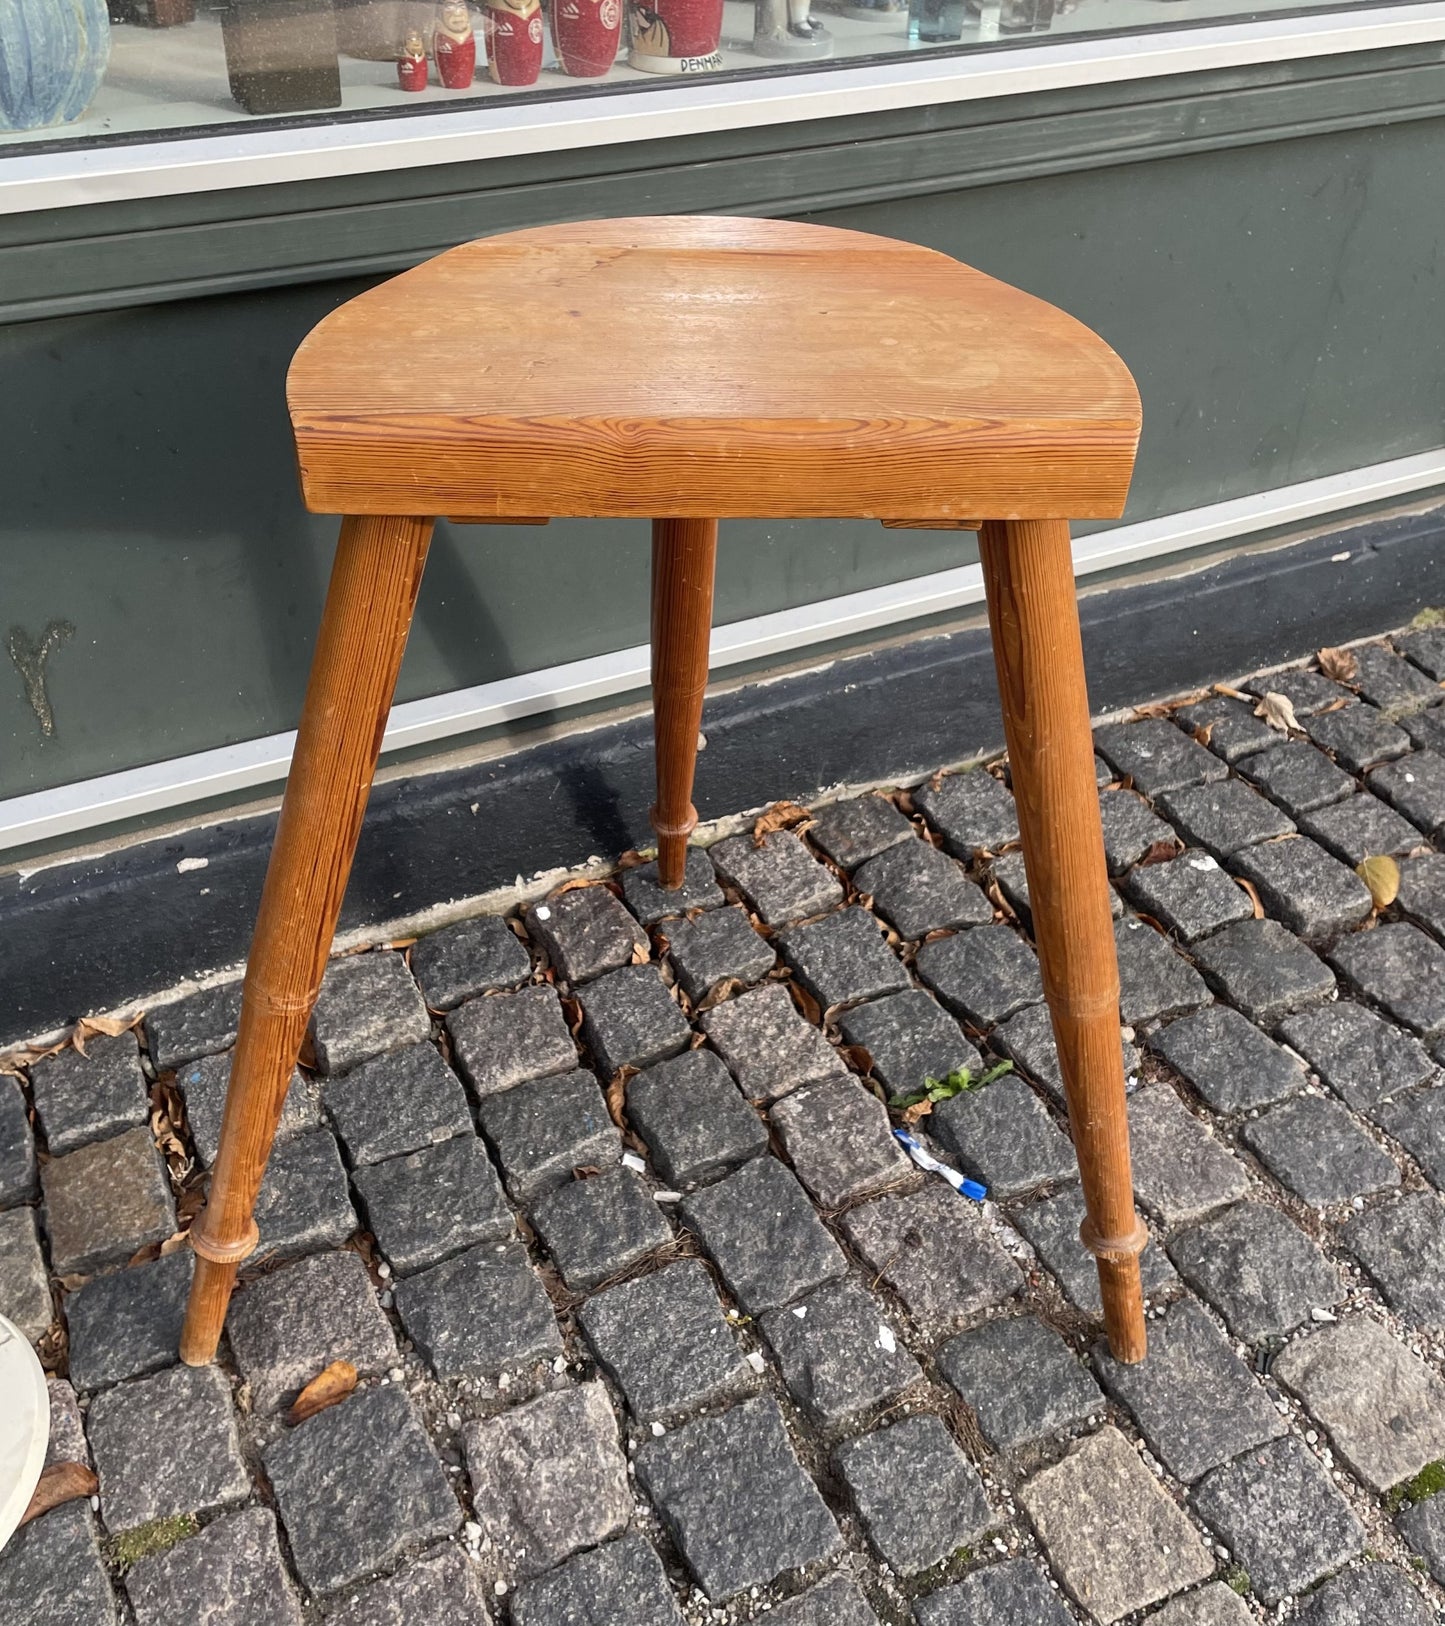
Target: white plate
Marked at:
24, 1426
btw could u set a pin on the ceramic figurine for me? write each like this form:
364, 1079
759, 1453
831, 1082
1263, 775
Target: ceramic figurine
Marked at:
787, 29
585, 34
455, 45
675, 36
411, 65
52, 59
513, 30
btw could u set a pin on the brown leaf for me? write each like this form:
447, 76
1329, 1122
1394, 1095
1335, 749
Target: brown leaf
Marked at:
575, 885
61, 1482
1160, 852
805, 1002
858, 1057
641, 954
920, 1109
723, 991
1203, 734
1339, 664
778, 816
329, 1387
1382, 876
617, 1097
1159, 708
1252, 892
572, 1013
632, 859
1278, 711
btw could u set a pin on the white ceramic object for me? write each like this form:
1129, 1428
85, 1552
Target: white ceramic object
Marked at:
24, 1426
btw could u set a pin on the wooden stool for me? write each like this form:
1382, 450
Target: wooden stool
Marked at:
692, 369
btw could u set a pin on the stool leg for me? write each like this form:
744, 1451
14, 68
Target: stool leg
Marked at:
683, 555
1034, 616
363, 633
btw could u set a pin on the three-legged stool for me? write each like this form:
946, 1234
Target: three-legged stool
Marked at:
694, 369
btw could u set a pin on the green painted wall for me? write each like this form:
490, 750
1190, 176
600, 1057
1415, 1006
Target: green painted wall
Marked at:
1264, 251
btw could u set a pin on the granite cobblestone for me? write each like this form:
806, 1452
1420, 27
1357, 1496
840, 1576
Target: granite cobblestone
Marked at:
862, 1293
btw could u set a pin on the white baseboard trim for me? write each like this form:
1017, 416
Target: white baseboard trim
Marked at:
165, 786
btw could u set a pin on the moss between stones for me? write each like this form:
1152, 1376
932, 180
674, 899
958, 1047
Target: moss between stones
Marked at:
1237, 1579
156, 1537
1428, 1482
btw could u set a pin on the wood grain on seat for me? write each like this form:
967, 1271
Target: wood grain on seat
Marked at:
708, 367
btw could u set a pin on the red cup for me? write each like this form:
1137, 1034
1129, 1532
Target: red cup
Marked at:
683, 34
514, 43
585, 34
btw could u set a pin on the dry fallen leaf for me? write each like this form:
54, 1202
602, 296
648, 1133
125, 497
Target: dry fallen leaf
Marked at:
617, 1098
805, 1002
1278, 711
334, 1384
1253, 892
574, 885
919, 1109
858, 1057
641, 954
719, 994
1382, 876
1160, 852
778, 816
61, 1482
1339, 664
1204, 733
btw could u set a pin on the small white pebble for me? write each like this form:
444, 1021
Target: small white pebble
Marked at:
500, 1588
542, 912
95, 1504
630, 1160
385, 1300
472, 1532
396, 1374
505, 1381
383, 1270
886, 1341
755, 1360
801, 1311
667, 1196
658, 1431
559, 1366
454, 1419
1320, 1314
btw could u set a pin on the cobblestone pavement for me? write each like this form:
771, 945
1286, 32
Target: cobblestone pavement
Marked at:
655, 1324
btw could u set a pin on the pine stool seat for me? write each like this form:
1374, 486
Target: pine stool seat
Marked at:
682, 371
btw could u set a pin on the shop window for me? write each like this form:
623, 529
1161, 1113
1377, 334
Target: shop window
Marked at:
105, 70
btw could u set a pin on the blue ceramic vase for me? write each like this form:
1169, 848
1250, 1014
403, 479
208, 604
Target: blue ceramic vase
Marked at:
52, 58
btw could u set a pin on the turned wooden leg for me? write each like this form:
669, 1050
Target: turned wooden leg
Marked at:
1034, 616
363, 632
683, 554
